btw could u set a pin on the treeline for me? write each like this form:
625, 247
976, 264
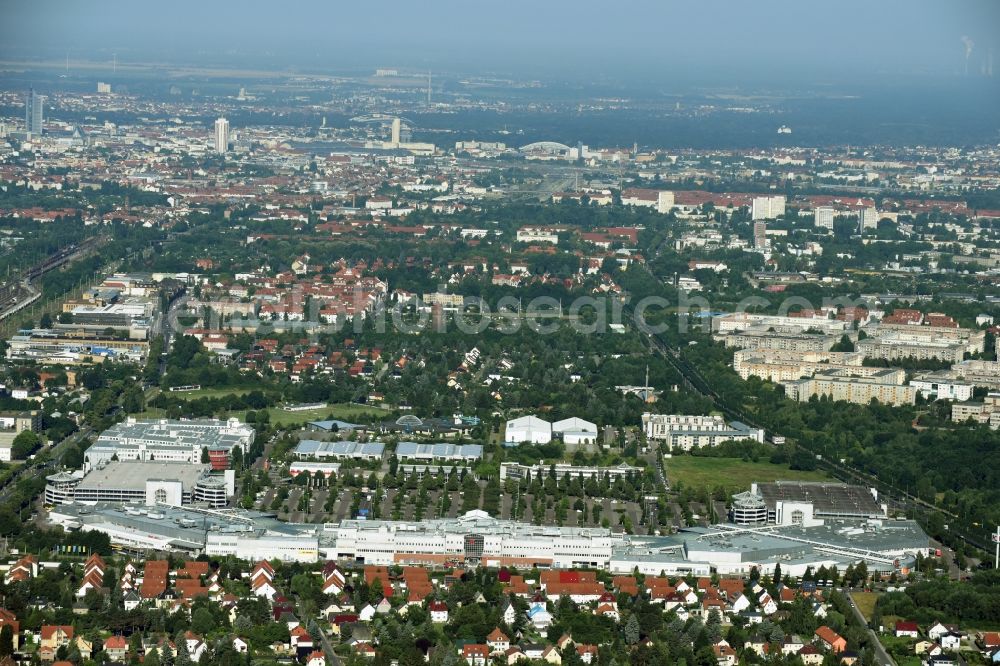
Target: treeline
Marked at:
975, 602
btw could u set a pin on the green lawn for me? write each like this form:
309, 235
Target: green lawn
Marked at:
342, 411
866, 603
280, 417
731, 473
208, 393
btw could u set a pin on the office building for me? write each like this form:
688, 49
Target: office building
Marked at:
33, 113
824, 217
517, 471
396, 127
170, 441
103, 88
683, 432
221, 136
767, 208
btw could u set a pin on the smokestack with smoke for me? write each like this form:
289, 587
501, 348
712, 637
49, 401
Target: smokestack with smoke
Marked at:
969, 45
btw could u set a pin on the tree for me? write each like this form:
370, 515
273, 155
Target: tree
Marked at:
236, 458
45, 321
26, 443
6, 641
632, 630
202, 621
204, 454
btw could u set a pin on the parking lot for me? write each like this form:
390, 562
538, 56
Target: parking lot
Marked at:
405, 504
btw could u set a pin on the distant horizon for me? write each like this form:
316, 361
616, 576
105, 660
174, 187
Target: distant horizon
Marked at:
773, 43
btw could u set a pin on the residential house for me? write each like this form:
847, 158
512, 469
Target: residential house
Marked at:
792, 644
587, 653
438, 611
476, 654
116, 647
831, 640
811, 656
538, 615
550, 655
951, 641
724, 654
25, 568
938, 629
368, 612
8, 619
507, 611
53, 637
498, 641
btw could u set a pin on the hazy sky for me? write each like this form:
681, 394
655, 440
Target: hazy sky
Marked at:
771, 41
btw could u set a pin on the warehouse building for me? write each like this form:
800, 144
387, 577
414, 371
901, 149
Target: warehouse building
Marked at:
341, 450
575, 431
416, 452
527, 430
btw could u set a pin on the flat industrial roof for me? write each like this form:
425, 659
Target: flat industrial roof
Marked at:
827, 498
419, 450
132, 475
173, 434
312, 447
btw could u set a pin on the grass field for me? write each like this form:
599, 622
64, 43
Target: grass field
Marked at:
280, 417
732, 473
207, 393
342, 411
866, 602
